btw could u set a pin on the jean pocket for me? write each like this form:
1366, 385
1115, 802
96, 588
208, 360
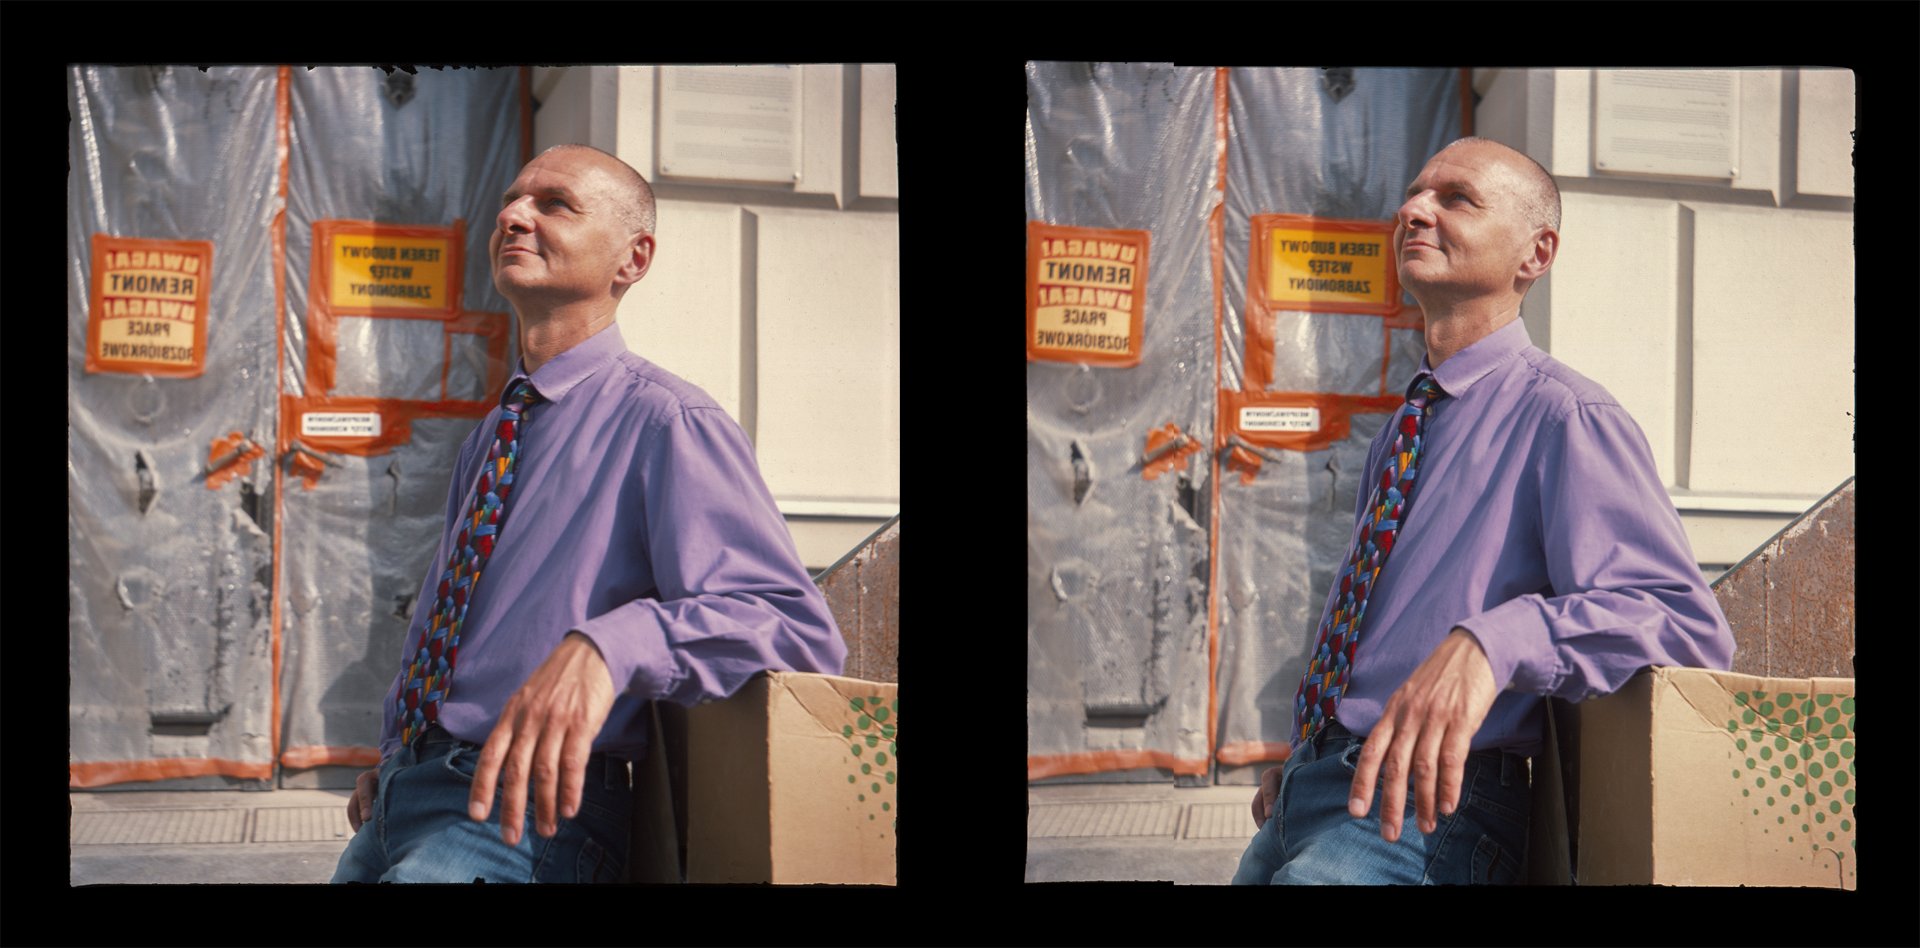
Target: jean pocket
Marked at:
598, 864
462, 763
1493, 864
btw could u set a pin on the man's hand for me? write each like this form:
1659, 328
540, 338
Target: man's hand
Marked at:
1426, 731
546, 732
1263, 798
360, 805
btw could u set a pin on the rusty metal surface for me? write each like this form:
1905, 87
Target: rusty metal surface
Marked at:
1790, 602
863, 590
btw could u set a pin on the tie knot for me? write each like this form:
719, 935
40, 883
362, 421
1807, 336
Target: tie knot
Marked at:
1424, 390
522, 395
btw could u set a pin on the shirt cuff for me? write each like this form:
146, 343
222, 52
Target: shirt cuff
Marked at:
1519, 645
634, 644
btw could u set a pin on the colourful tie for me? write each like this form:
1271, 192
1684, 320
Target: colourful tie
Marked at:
1332, 659
430, 673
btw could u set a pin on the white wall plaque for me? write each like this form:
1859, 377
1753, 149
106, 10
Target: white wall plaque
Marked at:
1675, 122
730, 123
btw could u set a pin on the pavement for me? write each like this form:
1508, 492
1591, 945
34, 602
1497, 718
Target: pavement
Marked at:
207, 836
1075, 832
1137, 832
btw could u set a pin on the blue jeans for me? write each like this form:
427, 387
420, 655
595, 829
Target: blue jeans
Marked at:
420, 831
1310, 839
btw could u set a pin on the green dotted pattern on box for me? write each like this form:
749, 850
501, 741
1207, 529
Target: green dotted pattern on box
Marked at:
1798, 765
873, 747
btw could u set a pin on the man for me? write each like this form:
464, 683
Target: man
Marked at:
1525, 547
639, 557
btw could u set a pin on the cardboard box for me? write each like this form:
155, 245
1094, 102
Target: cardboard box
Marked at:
1697, 777
793, 780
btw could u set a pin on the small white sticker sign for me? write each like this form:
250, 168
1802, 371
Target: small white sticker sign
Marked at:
340, 424
1280, 418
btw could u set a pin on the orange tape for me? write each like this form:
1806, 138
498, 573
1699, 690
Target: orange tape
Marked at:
1260, 310
1090, 762
323, 313
315, 756
1241, 753
1466, 102
495, 327
1245, 462
1216, 240
1336, 412
1159, 440
100, 773
235, 464
283, 114
396, 420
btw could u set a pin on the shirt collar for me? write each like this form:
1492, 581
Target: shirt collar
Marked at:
561, 373
1473, 363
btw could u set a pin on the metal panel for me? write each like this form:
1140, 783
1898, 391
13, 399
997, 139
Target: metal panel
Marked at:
863, 591
1790, 602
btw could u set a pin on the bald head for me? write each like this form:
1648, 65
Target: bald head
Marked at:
636, 196
1539, 196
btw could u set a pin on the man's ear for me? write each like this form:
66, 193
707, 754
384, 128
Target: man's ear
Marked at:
637, 262
1540, 256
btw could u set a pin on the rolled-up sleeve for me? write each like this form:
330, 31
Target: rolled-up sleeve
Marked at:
1625, 590
732, 597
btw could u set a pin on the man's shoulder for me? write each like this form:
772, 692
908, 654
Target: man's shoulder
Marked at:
1560, 386
645, 386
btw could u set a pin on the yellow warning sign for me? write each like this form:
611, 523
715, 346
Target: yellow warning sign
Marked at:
149, 306
387, 271
1086, 294
1338, 266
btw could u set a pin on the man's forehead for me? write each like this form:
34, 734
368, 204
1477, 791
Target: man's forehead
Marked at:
1466, 166
544, 175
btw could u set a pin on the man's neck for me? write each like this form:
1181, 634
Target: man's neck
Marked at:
1453, 327
545, 334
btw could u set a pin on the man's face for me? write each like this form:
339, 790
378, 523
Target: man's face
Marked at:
561, 235
1462, 233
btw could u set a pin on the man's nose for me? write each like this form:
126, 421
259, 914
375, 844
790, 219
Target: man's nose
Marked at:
1418, 210
513, 217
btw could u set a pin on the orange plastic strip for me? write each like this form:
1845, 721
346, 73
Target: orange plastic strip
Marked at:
283, 115
1241, 753
1466, 101
301, 757
1091, 762
396, 420
101, 773
526, 114
1336, 412
1216, 241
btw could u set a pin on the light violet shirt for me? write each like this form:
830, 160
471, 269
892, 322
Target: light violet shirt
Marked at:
639, 518
1539, 523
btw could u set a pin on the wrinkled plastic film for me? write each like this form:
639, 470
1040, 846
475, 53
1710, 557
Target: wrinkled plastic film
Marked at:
420, 150
1117, 564
169, 628
1298, 148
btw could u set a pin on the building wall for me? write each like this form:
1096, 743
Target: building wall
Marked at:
1720, 314
782, 301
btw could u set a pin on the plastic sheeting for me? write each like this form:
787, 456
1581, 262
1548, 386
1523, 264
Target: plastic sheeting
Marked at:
169, 630
1117, 572
1294, 148
170, 598
419, 150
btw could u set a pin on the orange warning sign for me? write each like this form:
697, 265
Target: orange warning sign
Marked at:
1321, 265
149, 306
1086, 294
